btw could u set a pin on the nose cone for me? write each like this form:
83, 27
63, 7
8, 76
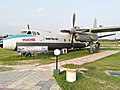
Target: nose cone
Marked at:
72, 30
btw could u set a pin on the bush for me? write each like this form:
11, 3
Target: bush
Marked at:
71, 66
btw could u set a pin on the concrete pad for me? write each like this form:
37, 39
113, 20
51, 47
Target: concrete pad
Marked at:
32, 77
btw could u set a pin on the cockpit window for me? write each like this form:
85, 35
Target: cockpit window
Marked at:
38, 33
34, 33
24, 32
29, 32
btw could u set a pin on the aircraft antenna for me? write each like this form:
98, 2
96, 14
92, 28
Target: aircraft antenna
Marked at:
95, 23
74, 17
28, 26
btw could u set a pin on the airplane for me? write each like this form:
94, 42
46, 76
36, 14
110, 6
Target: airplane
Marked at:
73, 38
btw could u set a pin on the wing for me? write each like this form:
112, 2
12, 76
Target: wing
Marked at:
106, 35
95, 30
104, 29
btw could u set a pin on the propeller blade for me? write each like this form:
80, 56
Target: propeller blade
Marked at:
74, 17
72, 42
65, 31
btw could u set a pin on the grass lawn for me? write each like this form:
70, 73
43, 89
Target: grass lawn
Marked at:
95, 78
110, 48
9, 57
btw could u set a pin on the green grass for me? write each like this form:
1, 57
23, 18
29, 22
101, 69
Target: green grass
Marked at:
6, 53
71, 66
110, 48
95, 78
9, 57
73, 54
109, 43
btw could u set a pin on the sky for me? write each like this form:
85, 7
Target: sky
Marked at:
54, 15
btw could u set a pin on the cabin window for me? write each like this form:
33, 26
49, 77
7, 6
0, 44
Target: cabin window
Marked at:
38, 33
34, 33
69, 40
64, 40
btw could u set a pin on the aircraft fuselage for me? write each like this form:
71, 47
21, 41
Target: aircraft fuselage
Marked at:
53, 41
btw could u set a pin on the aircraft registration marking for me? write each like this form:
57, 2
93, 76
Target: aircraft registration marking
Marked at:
29, 39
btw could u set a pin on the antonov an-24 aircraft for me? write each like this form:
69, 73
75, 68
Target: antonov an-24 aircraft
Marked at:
73, 38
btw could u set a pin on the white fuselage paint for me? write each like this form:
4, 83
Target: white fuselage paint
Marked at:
42, 38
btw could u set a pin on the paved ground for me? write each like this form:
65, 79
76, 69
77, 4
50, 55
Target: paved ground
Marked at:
32, 77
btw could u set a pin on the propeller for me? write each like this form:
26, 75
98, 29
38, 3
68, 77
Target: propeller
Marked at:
65, 31
72, 42
74, 18
73, 29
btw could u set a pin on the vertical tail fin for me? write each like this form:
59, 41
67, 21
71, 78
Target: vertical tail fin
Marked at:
95, 23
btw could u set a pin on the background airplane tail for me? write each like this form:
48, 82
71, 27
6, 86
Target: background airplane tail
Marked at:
95, 23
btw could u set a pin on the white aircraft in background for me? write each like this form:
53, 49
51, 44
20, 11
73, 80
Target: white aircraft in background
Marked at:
73, 38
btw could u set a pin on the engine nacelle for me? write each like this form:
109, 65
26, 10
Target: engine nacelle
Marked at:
86, 37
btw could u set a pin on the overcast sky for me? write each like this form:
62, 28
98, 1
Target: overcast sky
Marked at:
53, 15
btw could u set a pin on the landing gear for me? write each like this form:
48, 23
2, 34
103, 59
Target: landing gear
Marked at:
64, 51
1, 45
92, 48
97, 46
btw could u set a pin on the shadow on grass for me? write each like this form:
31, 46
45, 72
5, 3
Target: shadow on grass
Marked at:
79, 75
